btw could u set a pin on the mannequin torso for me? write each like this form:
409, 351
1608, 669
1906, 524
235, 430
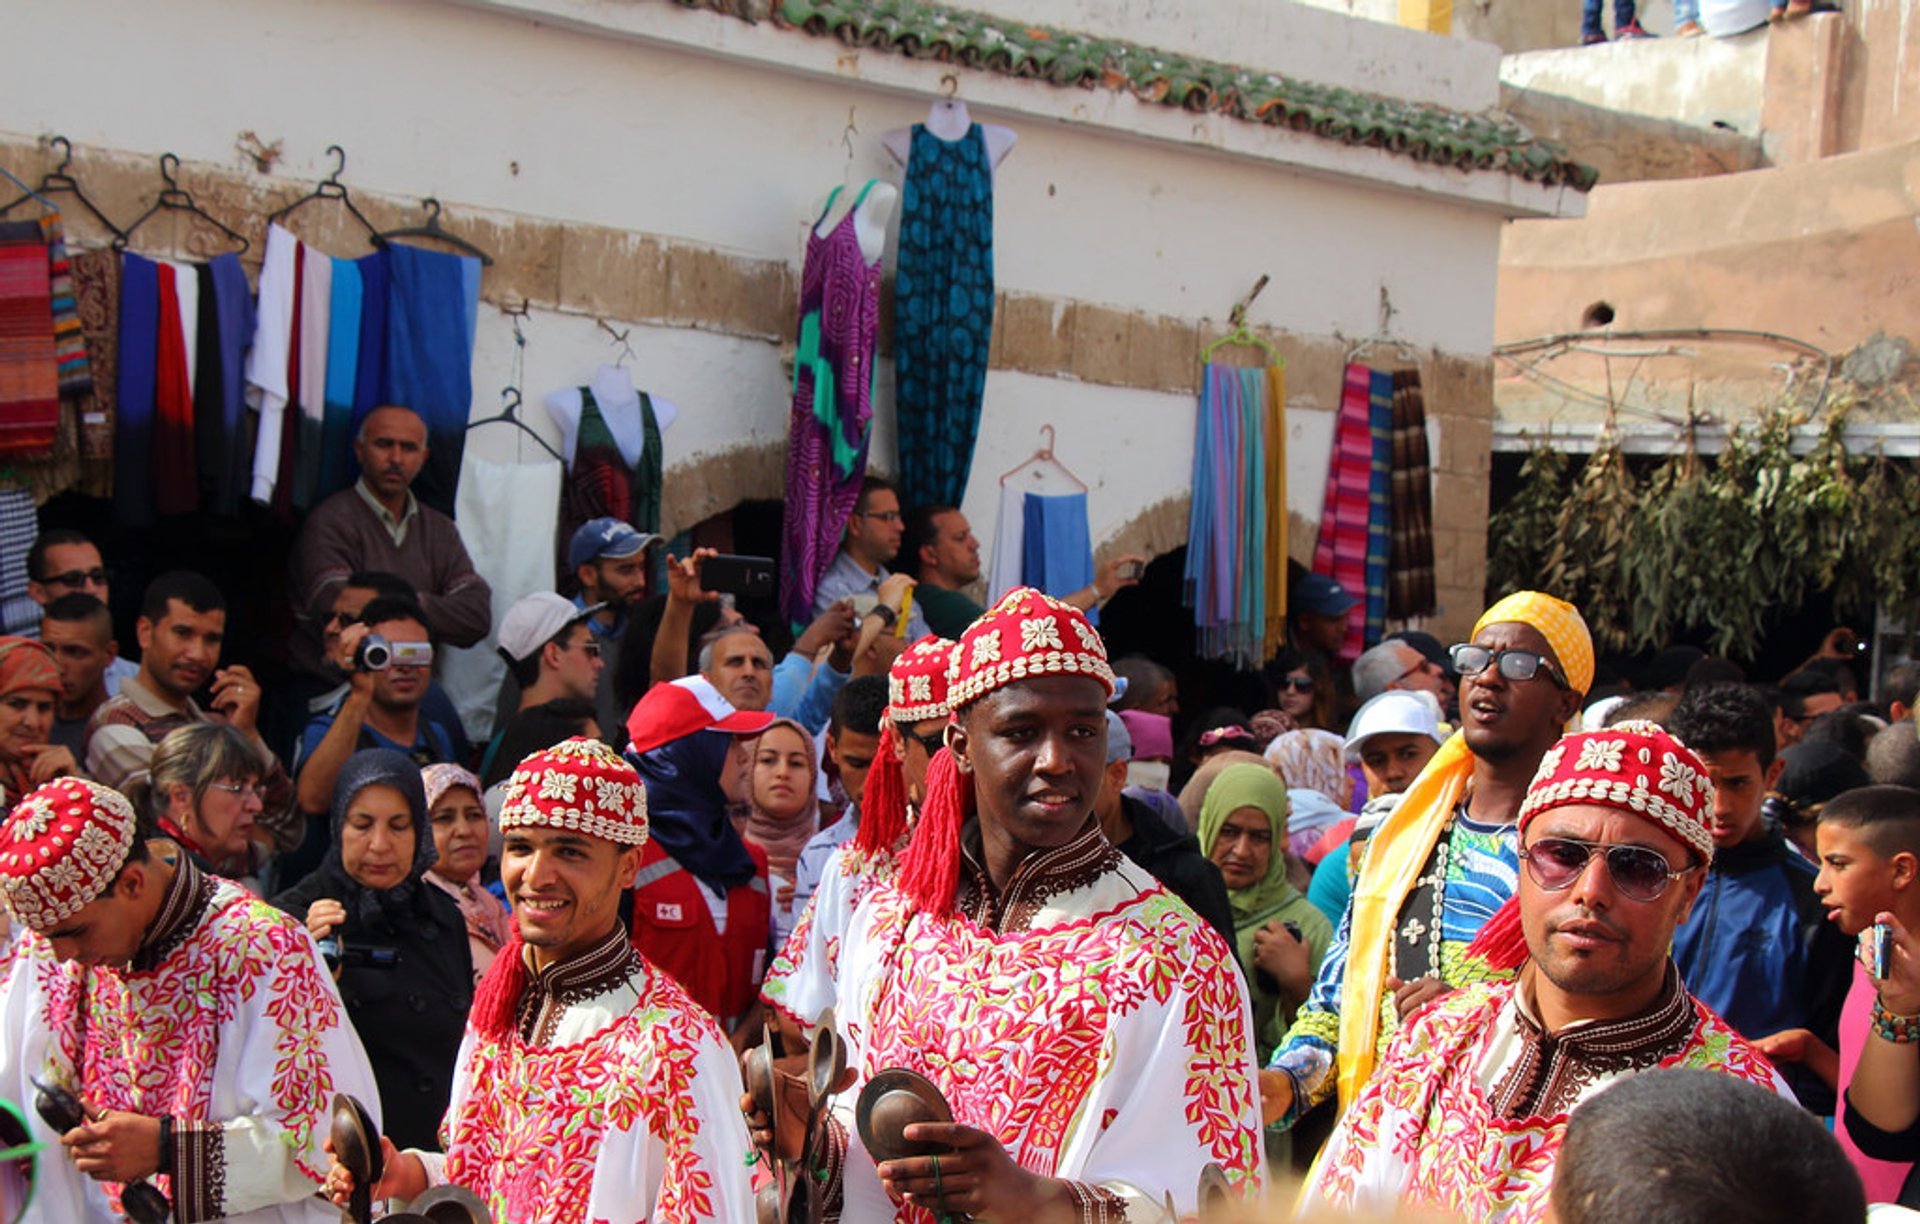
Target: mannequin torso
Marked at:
871, 206
949, 120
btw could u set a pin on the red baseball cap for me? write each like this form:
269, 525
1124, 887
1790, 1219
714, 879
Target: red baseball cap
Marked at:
674, 711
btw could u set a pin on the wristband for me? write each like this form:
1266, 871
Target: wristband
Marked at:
887, 615
1900, 1030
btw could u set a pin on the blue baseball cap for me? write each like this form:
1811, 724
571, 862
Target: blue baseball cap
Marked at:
1321, 594
606, 538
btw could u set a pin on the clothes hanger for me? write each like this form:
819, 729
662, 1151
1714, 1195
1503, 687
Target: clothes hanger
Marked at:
1042, 459
510, 415
331, 188
176, 199
1384, 337
58, 180
620, 338
1240, 336
433, 229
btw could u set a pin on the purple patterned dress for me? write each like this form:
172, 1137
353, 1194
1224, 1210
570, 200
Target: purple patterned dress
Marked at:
832, 403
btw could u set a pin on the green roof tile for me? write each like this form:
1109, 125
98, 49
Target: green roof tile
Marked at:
1431, 134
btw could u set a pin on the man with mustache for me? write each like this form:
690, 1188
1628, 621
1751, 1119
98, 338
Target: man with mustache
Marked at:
1468, 1108
182, 627
1445, 859
378, 525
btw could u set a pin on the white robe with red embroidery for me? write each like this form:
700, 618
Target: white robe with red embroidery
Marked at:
804, 978
1105, 1038
238, 1029
1424, 1130
627, 1113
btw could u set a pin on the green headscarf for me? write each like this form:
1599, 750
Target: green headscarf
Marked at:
1253, 786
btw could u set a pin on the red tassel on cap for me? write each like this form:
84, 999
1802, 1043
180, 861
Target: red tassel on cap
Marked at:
497, 998
1501, 943
930, 869
883, 804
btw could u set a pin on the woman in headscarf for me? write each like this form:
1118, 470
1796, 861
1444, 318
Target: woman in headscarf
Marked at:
1279, 935
785, 812
29, 689
1313, 764
398, 944
702, 908
460, 831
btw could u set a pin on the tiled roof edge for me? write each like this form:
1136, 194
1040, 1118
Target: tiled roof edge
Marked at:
1426, 133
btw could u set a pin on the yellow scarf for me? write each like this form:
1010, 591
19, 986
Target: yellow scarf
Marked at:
1396, 854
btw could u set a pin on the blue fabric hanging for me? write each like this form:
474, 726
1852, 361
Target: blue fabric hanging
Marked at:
432, 303
1057, 548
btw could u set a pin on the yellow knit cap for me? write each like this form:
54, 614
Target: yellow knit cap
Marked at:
1559, 622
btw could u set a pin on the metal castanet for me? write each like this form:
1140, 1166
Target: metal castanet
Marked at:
62, 1110
356, 1145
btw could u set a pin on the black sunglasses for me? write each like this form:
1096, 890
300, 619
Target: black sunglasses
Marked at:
1639, 873
933, 741
1471, 660
1299, 684
76, 578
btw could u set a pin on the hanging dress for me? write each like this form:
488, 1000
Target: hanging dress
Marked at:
832, 402
601, 483
943, 312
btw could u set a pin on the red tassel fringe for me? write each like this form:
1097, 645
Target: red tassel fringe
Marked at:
930, 870
883, 804
497, 998
1501, 943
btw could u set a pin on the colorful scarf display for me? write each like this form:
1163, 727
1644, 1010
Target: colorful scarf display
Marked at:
1235, 579
1410, 585
29, 385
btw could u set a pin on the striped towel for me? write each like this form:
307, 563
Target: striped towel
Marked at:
1236, 536
29, 388
69, 345
1341, 551
1410, 589
1379, 509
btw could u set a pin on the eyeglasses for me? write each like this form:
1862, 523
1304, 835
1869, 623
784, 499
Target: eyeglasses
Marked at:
591, 647
1298, 684
933, 741
97, 576
1639, 873
240, 790
1471, 660
342, 619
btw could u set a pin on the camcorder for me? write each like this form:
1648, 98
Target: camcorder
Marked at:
377, 654
347, 954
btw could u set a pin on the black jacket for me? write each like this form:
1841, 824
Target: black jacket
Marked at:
1172, 856
410, 1014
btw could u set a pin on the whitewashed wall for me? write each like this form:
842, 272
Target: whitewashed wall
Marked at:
490, 110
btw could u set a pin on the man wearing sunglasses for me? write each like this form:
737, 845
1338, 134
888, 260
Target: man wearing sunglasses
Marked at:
1468, 1108
65, 562
1444, 860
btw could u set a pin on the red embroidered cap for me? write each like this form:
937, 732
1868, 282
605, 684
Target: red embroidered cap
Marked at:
673, 711
1025, 635
917, 681
61, 847
581, 785
1634, 766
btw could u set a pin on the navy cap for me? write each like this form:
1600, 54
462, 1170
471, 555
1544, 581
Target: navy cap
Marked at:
604, 538
1321, 594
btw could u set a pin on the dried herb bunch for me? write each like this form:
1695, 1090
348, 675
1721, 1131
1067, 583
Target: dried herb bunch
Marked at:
1713, 546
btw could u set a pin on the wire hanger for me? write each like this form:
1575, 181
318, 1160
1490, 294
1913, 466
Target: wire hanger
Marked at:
433, 229
1043, 460
1384, 337
58, 180
1240, 335
174, 198
331, 188
620, 338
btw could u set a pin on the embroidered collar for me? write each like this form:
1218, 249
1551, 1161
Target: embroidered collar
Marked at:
1039, 878
1552, 1069
187, 897
550, 991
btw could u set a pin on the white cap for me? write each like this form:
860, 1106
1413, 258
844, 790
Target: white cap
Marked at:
531, 621
1397, 711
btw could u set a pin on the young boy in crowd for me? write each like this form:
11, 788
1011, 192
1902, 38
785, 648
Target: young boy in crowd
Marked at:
1756, 948
1869, 841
